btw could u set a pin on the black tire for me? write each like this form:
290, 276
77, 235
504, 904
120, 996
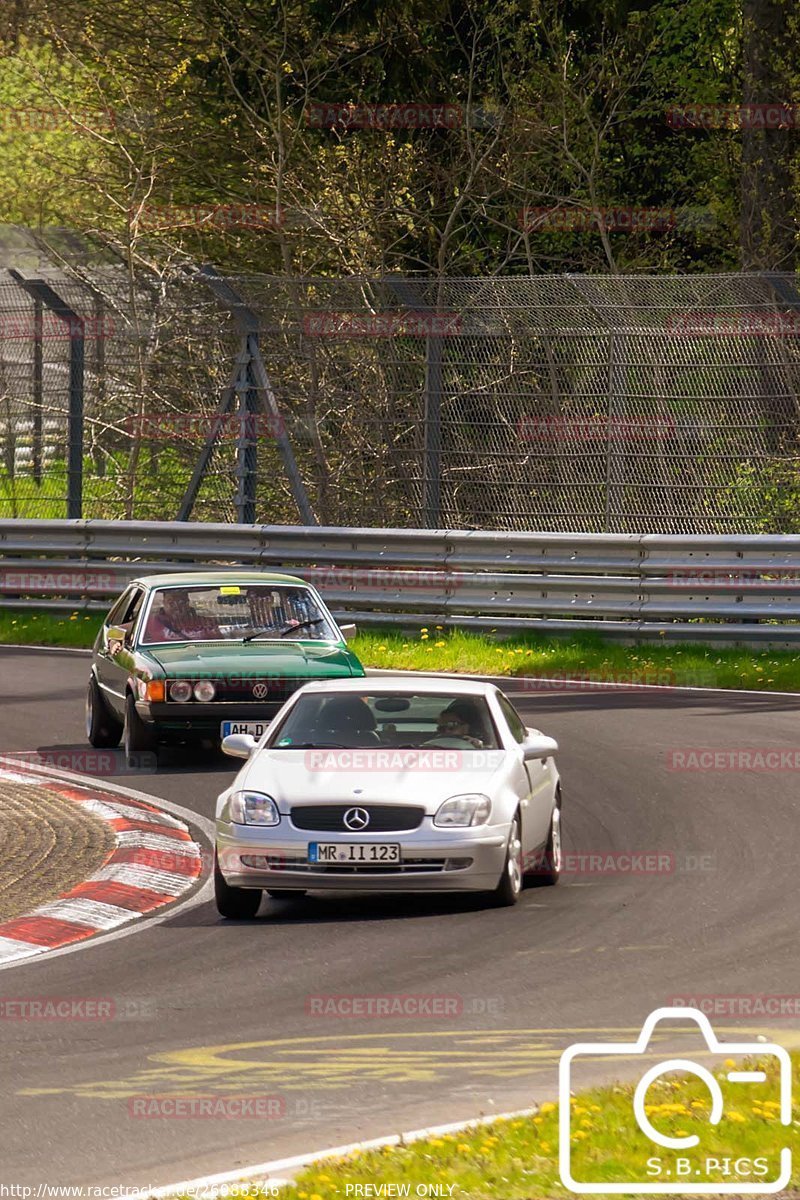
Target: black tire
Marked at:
103, 729
548, 871
509, 889
286, 893
137, 738
235, 904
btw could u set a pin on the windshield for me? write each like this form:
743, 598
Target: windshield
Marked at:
366, 720
233, 612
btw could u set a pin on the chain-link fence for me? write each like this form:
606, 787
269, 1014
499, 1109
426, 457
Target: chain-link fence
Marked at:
586, 403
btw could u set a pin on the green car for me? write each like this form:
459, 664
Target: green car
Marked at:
194, 657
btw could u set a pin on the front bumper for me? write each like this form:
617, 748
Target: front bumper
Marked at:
203, 720
432, 860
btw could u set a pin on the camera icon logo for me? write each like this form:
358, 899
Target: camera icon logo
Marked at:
684, 1166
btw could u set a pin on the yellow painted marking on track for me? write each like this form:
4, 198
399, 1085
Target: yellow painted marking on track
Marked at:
333, 1062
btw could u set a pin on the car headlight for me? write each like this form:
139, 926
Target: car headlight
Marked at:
253, 808
205, 690
180, 690
460, 811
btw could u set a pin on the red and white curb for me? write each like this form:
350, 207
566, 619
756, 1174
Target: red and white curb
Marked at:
154, 862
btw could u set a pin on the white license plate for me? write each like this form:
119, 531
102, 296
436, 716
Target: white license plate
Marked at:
354, 852
254, 728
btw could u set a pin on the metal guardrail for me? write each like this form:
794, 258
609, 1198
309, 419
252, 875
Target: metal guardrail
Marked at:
741, 588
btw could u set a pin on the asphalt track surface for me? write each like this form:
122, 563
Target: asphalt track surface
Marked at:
215, 1009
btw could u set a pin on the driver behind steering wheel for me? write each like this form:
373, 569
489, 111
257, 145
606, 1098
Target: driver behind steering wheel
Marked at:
457, 722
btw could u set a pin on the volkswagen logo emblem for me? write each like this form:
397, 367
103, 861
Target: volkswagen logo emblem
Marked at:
356, 818
260, 691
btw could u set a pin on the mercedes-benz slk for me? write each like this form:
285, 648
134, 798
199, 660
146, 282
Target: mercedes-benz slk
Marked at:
381, 785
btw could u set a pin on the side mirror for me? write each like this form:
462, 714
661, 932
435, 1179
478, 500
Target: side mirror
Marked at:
536, 746
238, 745
348, 632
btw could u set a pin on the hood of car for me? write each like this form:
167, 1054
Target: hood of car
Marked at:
383, 775
297, 660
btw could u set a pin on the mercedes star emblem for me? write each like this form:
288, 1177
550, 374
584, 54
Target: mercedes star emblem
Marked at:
356, 818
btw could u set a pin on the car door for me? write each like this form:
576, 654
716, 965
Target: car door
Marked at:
537, 811
114, 657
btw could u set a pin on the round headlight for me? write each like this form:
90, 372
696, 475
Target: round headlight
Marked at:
205, 690
180, 690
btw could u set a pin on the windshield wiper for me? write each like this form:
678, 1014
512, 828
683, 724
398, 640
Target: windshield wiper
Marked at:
302, 625
312, 746
282, 632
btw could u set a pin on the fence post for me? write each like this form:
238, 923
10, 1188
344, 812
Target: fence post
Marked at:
246, 462
36, 408
44, 293
432, 423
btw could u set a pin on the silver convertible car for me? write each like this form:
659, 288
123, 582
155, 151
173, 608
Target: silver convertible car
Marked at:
425, 785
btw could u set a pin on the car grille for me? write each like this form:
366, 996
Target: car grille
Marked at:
411, 866
240, 691
383, 818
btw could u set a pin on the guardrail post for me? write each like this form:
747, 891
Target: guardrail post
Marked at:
40, 290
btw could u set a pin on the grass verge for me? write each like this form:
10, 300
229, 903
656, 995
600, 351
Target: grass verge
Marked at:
518, 1159
583, 658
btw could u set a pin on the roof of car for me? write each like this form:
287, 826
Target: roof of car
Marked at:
394, 683
212, 577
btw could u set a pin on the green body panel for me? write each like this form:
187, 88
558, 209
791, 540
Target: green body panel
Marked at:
288, 659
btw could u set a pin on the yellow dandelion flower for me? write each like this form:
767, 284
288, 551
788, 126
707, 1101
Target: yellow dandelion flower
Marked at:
424, 629
463, 1147
737, 1117
546, 1147
579, 1135
439, 643
729, 1062
547, 1107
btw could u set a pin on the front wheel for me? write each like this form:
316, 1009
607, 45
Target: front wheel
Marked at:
137, 738
549, 869
236, 904
509, 888
103, 729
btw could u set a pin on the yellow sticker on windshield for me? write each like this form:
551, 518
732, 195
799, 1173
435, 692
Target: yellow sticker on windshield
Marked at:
230, 591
